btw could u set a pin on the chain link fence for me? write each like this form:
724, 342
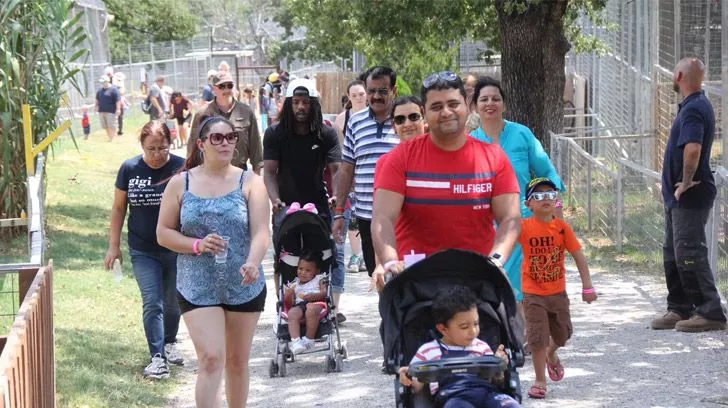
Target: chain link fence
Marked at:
612, 160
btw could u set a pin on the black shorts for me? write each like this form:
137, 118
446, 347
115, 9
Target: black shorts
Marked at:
182, 121
255, 305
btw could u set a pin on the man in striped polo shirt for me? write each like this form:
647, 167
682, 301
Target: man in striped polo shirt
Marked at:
368, 135
444, 189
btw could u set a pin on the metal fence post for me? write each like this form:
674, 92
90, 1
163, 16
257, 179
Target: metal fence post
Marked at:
619, 207
724, 79
589, 195
174, 65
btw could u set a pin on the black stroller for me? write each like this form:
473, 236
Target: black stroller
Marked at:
405, 305
305, 231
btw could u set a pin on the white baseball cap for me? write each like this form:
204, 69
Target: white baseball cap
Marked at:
302, 87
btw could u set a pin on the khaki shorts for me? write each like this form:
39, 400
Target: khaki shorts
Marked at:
108, 120
547, 316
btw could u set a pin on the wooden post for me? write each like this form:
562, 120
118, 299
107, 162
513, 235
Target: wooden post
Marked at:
25, 279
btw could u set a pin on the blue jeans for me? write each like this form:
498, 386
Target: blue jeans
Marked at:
156, 274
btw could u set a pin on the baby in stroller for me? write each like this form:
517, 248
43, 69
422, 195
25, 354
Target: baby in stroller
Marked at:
307, 296
455, 314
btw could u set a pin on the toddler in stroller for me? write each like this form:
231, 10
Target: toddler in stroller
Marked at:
455, 313
307, 296
304, 256
408, 321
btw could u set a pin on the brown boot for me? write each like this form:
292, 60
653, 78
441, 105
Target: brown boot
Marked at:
698, 323
666, 321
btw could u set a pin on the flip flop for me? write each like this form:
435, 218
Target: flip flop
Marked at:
556, 370
537, 391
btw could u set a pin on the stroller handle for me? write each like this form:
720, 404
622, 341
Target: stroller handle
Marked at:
431, 371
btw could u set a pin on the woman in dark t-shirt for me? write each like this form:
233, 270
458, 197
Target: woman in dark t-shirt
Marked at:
182, 112
139, 186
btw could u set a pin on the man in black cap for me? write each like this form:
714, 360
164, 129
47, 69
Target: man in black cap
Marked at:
242, 118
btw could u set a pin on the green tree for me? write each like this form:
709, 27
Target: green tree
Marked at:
418, 37
41, 43
140, 21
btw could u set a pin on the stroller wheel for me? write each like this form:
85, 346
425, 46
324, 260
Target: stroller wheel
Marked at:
344, 351
273, 368
330, 364
339, 363
290, 357
281, 365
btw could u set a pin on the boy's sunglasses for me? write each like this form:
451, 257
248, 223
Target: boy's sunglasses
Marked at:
447, 76
413, 117
380, 91
227, 85
217, 138
544, 195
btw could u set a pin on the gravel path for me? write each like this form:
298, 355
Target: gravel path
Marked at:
614, 360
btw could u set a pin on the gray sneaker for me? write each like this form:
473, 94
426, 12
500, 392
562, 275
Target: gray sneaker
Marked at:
173, 355
353, 265
157, 369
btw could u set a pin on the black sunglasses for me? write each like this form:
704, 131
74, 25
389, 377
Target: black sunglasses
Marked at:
413, 117
380, 91
447, 76
217, 138
227, 85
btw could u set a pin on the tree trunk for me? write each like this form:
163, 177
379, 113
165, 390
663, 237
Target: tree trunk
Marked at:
532, 65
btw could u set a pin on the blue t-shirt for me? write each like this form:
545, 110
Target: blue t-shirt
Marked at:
144, 195
527, 156
695, 123
107, 98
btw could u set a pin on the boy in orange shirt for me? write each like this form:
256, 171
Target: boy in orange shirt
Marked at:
545, 304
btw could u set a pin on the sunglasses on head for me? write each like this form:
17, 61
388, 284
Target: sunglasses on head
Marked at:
217, 138
544, 195
413, 117
447, 76
227, 85
380, 91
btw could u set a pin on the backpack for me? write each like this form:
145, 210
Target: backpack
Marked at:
147, 104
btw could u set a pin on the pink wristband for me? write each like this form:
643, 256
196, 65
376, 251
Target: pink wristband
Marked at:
588, 291
196, 247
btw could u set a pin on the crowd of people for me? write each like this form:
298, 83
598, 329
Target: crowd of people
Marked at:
415, 175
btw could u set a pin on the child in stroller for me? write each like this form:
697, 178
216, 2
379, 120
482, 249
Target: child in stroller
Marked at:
307, 296
455, 314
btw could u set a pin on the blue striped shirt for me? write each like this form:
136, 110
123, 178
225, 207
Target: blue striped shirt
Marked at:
365, 142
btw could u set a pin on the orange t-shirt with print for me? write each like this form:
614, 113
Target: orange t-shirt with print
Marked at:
544, 245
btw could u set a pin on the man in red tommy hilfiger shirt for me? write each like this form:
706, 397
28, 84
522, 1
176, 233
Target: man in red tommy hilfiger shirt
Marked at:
444, 189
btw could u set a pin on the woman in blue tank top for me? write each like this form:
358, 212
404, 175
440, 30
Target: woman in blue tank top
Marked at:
527, 156
220, 298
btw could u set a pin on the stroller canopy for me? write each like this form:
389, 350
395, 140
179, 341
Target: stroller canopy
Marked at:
301, 231
406, 301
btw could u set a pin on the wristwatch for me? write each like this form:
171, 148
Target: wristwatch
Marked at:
497, 259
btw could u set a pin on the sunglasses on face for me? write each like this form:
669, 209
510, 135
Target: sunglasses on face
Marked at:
227, 85
380, 91
413, 117
447, 76
544, 195
217, 138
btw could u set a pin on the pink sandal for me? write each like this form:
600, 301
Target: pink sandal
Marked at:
556, 370
537, 391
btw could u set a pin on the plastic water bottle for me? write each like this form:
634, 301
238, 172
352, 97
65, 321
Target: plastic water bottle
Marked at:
116, 270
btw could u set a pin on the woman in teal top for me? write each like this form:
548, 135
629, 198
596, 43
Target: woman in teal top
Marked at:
527, 156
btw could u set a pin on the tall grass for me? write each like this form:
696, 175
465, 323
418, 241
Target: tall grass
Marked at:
35, 63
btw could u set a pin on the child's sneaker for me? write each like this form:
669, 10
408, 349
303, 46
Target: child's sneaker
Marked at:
297, 346
307, 343
157, 369
173, 355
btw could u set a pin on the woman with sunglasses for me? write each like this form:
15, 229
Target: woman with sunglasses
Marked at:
139, 186
216, 216
527, 156
408, 117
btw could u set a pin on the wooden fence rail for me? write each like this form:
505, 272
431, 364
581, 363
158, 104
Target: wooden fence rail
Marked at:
27, 361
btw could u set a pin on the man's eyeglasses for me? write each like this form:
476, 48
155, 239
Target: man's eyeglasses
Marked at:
413, 117
380, 91
227, 85
544, 195
160, 150
448, 76
217, 138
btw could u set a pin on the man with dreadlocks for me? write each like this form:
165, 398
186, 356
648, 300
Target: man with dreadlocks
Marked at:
296, 151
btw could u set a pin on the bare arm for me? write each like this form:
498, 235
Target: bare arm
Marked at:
259, 218
168, 234
387, 207
583, 267
118, 214
691, 157
507, 212
155, 102
343, 180
270, 180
